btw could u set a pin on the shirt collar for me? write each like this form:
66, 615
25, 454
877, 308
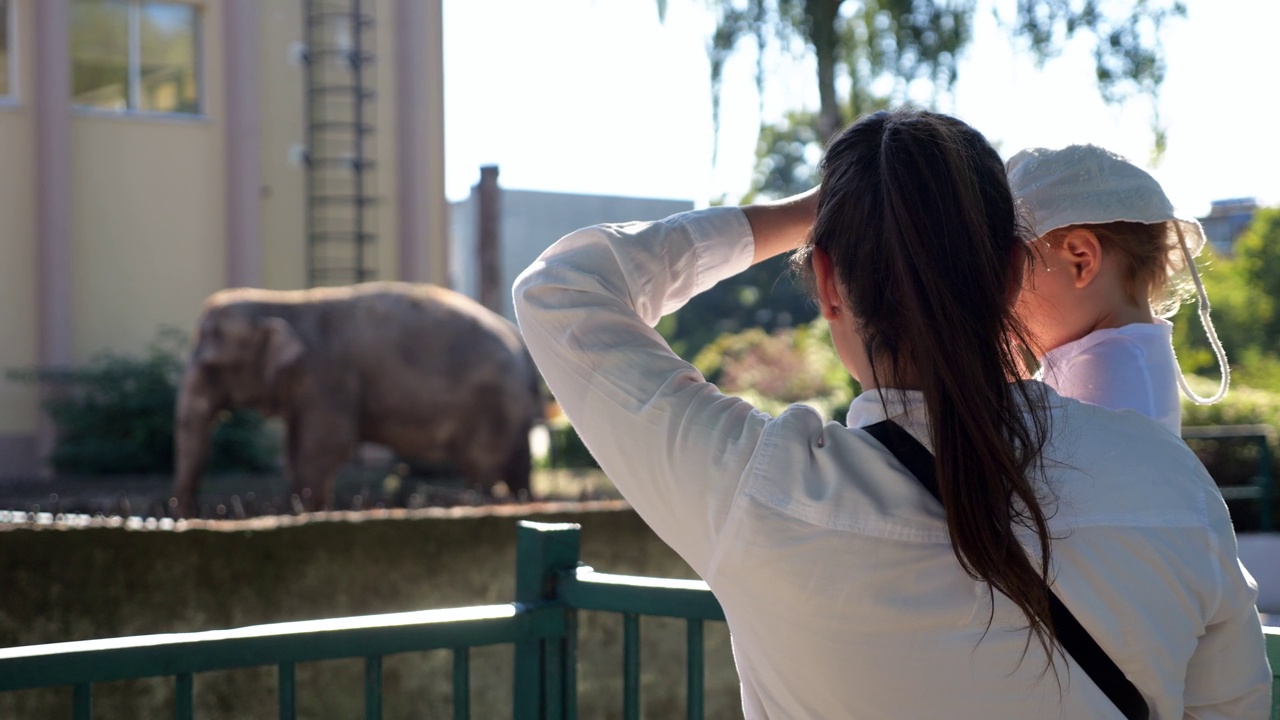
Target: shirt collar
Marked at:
907, 407
869, 407
1059, 356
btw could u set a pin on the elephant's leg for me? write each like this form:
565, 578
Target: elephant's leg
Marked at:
197, 406
483, 455
482, 472
319, 445
518, 468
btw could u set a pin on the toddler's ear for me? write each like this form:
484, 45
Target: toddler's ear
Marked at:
1083, 253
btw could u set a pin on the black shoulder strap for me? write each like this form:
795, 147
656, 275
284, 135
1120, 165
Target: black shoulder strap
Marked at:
1074, 638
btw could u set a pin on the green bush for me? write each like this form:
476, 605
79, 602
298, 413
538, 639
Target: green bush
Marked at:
115, 416
774, 370
1242, 406
771, 370
767, 296
567, 449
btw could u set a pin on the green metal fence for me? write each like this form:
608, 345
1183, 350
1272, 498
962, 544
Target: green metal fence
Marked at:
1273, 655
1261, 487
551, 587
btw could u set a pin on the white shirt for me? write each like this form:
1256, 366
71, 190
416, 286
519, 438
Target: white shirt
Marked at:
833, 565
1126, 368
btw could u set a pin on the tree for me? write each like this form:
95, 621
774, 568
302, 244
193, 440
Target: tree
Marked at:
874, 53
1258, 254
1244, 291
764, 296
871, 54
787, 155
900, 42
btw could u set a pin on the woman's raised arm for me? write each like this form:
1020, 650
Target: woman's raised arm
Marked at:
783, 225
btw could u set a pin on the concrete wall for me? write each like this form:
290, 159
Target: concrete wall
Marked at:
531, 221
105, 582
19, 341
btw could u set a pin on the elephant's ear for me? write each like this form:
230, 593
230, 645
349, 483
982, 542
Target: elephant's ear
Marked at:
284, 347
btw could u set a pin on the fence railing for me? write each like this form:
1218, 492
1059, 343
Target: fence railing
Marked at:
1261, 486
1273, 656
551, 587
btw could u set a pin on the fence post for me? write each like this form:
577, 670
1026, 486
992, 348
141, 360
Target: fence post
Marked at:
1267, 481
542, 549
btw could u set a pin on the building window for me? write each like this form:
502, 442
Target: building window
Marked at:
6, 50
135, 56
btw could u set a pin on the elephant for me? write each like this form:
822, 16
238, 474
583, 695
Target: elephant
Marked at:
423, 370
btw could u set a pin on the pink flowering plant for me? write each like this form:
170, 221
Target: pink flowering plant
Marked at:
774, 370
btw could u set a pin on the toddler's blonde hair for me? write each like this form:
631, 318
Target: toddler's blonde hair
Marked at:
1149, 268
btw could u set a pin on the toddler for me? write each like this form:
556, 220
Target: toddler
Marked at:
1109, 264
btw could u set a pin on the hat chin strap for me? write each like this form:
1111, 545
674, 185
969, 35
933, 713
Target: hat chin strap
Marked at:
1202, 301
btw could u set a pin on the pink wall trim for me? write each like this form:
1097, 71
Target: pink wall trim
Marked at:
243, 113
53, 178
420, 133
410, 52
52, 101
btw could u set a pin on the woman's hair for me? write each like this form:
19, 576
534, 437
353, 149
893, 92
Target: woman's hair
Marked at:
917, 217
1143, 250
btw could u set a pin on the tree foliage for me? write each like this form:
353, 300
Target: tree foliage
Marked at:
766, 296
775, 369
1244, 291
873, 53
864, 44
1258, 255
787, 157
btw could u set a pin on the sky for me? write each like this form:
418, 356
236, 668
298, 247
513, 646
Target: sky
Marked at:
598, 96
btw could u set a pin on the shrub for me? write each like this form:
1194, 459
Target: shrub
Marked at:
774, 370
770, 370
115, 415
1242, 406
567, 449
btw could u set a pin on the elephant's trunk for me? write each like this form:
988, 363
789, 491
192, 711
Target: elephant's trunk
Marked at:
193, 426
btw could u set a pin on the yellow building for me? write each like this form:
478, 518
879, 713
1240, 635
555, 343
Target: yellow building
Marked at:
154, 152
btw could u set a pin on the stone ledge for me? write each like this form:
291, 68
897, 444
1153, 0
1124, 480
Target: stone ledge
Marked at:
18, 520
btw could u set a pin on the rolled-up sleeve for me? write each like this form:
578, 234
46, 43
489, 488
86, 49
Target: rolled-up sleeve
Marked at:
674, 446
1228, 676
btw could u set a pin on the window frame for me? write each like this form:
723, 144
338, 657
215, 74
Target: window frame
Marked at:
134, 29
13, 96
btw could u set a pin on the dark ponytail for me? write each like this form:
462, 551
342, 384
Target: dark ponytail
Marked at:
916, 214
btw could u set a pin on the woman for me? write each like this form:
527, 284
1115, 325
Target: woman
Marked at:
849, 591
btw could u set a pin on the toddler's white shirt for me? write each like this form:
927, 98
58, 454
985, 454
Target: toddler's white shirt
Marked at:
1126, 368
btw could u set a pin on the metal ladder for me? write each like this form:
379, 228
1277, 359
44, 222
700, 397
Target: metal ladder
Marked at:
340, 160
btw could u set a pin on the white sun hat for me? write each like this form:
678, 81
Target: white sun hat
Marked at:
1089, 185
